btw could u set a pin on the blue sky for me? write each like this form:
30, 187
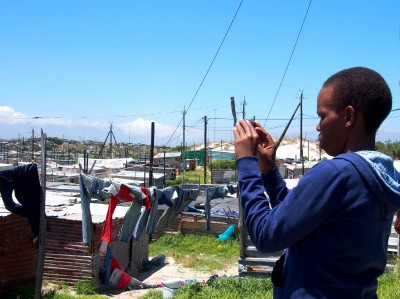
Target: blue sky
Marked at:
73, 68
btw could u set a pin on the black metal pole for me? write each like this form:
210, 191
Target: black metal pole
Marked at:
205, 149
164, 184
151, 179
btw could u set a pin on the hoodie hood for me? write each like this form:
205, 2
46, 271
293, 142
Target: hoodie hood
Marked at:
379, 172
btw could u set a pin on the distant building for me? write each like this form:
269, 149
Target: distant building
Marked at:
221, 155
171, 159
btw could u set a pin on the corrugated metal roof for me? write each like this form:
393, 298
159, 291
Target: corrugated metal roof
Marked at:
135, 174
168, 155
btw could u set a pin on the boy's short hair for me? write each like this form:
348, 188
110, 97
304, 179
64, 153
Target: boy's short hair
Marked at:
366, 91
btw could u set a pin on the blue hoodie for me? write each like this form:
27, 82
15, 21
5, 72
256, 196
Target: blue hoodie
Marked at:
334, 224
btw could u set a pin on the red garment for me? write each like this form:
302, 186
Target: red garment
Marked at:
147, 202
125, 278
124, 193
107, 226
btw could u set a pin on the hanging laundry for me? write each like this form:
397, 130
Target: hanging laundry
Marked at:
24, 181
107, 226
145, 213
167, 196
213, 192
126, 193
90, 187
152, 220
113, 274
232, 188
132, 216
185, 197
115, 277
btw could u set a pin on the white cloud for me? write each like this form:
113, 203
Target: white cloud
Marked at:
138, 129
142, 127
9, 116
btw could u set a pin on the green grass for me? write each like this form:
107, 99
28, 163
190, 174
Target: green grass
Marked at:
253, 288
222, 288
389, 285
203, 253
228, 288
200, 252
80, 290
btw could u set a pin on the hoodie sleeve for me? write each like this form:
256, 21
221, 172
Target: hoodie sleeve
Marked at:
296, 213
275, 186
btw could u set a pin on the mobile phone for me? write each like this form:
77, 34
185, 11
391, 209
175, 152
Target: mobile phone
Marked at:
252, 121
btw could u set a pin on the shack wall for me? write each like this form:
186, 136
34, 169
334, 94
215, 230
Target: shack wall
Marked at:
18, 254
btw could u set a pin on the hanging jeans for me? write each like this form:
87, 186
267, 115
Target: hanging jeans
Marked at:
89, 187
145, 219
132, 215
213, 193
167, 196
185, 196
152, 221
24, 181
107, 266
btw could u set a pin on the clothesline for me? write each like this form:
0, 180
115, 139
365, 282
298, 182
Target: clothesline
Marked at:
136, 219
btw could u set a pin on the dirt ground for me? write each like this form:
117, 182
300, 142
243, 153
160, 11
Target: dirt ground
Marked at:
172, 271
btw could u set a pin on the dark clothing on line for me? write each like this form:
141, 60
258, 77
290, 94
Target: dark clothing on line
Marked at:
24, 181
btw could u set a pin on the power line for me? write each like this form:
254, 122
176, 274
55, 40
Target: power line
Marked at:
291, 55
209, 67
174, 132
61, 117
216, 54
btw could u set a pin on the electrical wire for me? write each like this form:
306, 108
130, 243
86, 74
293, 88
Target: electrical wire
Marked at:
209, 67
216, 54
290, 59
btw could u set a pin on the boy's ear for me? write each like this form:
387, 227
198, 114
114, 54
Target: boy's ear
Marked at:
350, 116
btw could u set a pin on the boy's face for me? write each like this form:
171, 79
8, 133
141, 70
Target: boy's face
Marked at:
331, 127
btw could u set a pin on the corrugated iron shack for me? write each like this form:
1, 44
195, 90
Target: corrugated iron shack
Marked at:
67, 258
18, 254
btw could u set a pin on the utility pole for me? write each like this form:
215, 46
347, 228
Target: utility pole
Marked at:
68, 154
301, 133
183, 148
205, 149
144, 172
164, 184
111, 134
151, 179
22, 150
33, 145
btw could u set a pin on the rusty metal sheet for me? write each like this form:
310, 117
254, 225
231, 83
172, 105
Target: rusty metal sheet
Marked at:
18, 254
